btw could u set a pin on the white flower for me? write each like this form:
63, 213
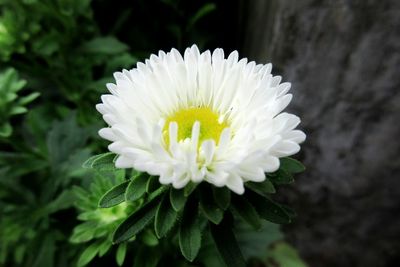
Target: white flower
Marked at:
200, 117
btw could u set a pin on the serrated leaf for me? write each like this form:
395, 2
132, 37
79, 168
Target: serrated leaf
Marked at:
280, 177
136, 188
114, 196
120, 255
263, 188
101, 162
189, 233
269, 210
88, 254
227, 244
135, 223
291, 165
165, 217
177, 199
209, 208
222, 196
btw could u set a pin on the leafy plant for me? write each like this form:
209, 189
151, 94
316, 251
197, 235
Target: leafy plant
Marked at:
98, 224
200, 214
10, 103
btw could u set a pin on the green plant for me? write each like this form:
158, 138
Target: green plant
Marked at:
10, 103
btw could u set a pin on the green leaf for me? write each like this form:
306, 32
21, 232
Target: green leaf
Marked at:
147, 257
209, 208
88, 254
165, 217
226, 244
104, 45
160, 191
291, 165
102, 162
45, 256
135, 223
177, 199
254, 244
222, 196
189, 233
262, 188
46, 45
203, 11
16, 110
114, 196
281, 177
269, 210
189, 188
152, 184
121, 252
29, 98
137, 187
63, 201
149, 238
285, 255
104, 247
245, 210
5, 130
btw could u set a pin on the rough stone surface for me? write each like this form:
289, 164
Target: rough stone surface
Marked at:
343, 59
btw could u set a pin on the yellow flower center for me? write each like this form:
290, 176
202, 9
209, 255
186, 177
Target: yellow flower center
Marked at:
210, 126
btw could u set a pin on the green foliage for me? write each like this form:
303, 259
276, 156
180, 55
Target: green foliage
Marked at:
227, 244
222, 197
190, 233
283, 255
136, 222
165, 217
189, 209
114, 196
10, 103
177, 199
136, 188
99, 223
29, 225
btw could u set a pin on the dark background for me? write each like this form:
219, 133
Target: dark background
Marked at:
343, 59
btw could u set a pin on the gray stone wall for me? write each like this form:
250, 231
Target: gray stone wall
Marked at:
343, 59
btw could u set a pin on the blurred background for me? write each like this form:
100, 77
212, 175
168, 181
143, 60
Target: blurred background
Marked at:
341, 56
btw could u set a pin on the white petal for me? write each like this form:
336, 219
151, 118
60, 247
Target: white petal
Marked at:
124, 162
107, 133
208, 149
235, 183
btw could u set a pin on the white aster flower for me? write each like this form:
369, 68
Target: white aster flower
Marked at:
200, 117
